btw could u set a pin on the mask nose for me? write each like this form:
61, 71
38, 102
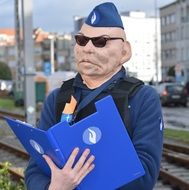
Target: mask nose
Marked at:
89, 46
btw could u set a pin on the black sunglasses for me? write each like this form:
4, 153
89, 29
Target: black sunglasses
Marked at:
99, 41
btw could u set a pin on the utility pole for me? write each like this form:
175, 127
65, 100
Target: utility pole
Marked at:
18, 92
52, 41
156, 42
29, 68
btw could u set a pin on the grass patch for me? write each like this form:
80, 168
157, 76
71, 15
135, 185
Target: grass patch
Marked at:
6, 182
6, 103
177, 135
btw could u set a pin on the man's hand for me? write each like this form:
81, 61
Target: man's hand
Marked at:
69, 177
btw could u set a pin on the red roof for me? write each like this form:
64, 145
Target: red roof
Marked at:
39, 34
7, 31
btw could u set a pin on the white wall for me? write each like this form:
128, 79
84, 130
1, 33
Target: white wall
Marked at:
140, 32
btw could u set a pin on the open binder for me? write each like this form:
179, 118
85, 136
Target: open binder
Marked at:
103, 132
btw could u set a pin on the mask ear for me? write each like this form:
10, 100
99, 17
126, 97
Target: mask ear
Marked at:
126, 52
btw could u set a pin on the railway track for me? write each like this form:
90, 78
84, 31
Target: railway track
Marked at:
13, 115
17, 157
175, 166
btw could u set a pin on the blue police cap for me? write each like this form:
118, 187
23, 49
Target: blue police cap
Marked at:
105, 15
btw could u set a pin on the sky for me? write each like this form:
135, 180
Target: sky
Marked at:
57, 15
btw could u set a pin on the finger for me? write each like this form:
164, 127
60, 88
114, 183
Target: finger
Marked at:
86, 172
71, 159
50, 162
86, 166
81, 160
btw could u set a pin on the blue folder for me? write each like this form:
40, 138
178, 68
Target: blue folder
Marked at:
103, 132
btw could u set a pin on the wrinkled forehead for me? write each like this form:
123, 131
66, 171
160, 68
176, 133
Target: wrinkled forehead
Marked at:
91, 31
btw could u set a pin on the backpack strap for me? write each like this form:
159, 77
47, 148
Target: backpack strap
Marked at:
131, 85
63, 97
127, 88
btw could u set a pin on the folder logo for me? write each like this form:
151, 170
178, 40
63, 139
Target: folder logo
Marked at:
92, 135
36, 146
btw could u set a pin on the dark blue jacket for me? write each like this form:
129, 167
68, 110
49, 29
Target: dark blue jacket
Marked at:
147, 125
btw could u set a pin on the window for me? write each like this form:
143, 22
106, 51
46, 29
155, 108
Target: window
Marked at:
173, 18
173, 35
168, 37
169, 54
182, 54
182, 33
163, 37
11, 51
168, 19
163, 21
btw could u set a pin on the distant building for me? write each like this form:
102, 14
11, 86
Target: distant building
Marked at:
78, 22
54, 80
7, 47
175, 39
56, 49
7, 37
48, 47
143, 32
39, 37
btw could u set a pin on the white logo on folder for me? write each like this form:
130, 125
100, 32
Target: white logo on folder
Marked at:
36, 146
92, 135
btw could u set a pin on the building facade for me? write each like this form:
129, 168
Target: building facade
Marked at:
53, 49
175, 40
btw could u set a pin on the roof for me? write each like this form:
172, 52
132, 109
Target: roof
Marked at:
7, 36
40, 35
7, 31
168, 5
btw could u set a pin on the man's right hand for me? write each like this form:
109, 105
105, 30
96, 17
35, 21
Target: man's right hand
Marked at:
70, 176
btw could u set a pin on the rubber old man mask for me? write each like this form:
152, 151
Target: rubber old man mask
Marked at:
101, 46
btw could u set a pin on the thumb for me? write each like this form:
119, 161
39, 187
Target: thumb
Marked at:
49, 162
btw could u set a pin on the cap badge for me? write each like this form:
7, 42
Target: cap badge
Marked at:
93, 18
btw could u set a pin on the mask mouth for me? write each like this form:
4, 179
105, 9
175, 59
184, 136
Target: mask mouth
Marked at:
86, 60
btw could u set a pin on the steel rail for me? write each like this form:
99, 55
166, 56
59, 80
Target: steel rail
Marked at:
11, 114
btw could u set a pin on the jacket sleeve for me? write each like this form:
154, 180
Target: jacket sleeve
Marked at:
147, 123
34, 177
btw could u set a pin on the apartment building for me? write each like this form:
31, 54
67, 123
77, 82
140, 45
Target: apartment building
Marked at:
175, 40
49, 48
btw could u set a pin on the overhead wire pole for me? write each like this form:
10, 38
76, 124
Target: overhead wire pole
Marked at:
29, 68
18, 93
156, 42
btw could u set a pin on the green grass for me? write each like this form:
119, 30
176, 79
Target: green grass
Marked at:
179, 135
7, 104
6, 182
